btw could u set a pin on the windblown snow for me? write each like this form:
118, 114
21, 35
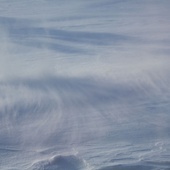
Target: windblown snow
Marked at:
84, 85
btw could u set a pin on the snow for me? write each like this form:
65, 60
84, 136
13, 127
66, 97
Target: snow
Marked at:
84, 85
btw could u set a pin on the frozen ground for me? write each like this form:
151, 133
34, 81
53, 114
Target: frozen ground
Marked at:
84, 85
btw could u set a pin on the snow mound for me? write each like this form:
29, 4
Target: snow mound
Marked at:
60, 162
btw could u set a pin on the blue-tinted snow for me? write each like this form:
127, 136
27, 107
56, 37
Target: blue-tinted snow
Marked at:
84, 85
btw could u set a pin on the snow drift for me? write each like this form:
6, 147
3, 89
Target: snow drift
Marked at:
84, 85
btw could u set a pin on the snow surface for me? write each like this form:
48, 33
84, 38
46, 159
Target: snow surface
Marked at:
84, 85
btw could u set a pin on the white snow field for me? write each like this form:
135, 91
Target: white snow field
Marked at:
84, 85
